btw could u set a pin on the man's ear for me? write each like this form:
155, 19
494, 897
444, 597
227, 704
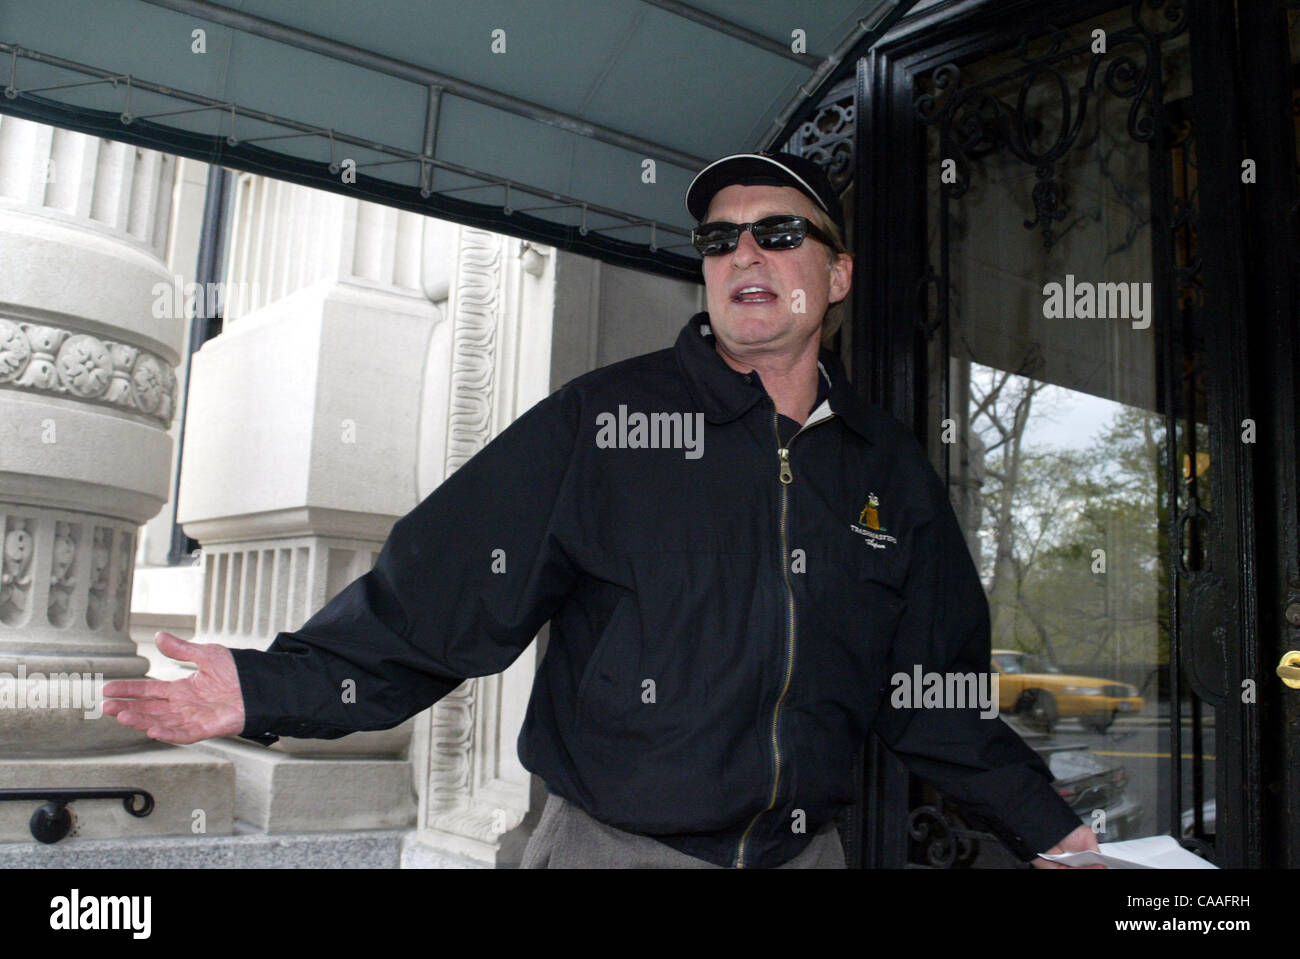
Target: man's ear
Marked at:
841, 277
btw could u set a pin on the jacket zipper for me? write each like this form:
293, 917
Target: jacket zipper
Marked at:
786, 477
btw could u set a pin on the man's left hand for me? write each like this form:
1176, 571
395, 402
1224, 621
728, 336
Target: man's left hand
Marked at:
1082, 839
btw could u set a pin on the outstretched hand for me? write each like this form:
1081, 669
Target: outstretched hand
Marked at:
183, 711
1082, 839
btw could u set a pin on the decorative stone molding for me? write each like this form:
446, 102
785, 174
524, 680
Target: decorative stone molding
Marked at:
451, 763
64, 571
16, 577
286, 237
49, 359
469, 428
111, 187
478, 303
65, 587
254, 590
464, 796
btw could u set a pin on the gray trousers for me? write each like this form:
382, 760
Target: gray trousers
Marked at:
567, 838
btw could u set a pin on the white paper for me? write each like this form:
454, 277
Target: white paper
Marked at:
1150, 852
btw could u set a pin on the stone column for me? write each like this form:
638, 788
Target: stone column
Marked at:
87, 392
300, 456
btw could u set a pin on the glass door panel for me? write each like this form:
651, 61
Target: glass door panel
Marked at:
1066, 403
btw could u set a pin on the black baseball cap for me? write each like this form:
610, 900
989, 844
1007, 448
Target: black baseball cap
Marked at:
764, 169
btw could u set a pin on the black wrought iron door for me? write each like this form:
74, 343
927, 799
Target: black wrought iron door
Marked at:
1050, 287
1269, 73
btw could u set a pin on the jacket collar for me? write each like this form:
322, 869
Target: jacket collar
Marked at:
724, 394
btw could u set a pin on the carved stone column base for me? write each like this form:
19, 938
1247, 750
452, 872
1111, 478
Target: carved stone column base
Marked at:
64, 601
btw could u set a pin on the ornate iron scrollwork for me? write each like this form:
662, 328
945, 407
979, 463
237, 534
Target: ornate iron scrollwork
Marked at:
827, 138
947, 844
974, 122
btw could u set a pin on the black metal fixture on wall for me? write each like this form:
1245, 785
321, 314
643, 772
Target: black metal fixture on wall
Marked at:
52, 821
203, 327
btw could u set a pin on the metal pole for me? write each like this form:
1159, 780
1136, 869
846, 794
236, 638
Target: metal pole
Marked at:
212, 242
735, 31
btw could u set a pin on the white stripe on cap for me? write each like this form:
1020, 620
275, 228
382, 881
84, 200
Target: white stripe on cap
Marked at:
758, 156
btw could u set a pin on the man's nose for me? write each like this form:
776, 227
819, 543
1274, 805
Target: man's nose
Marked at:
747, 250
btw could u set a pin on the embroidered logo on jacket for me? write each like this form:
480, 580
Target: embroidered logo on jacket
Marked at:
868, 525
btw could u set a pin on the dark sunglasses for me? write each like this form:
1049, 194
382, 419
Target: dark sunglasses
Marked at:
779, 232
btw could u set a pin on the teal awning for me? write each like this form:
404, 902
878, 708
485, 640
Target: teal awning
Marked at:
576, 123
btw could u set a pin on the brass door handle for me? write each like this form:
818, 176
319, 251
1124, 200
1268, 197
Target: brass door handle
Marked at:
1289, 669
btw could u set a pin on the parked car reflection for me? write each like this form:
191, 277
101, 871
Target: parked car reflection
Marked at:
1095, 786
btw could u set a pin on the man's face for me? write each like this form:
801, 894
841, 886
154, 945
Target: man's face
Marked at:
779, 317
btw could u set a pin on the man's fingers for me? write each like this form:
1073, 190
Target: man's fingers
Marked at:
144, 714
182, 650
142, 707
135, 720
173, 647
136, 689
164, 729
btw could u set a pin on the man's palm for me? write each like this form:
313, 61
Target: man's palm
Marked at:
182, 711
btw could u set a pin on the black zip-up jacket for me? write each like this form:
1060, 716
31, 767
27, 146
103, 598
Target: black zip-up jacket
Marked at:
725, 618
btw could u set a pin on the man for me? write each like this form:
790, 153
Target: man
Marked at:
735, 554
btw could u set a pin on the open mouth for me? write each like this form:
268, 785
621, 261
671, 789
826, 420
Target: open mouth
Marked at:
753, 294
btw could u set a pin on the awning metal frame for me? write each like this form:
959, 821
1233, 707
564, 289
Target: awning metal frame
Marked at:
499, 214
426, 160
735, 31
368, 59
827, 73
